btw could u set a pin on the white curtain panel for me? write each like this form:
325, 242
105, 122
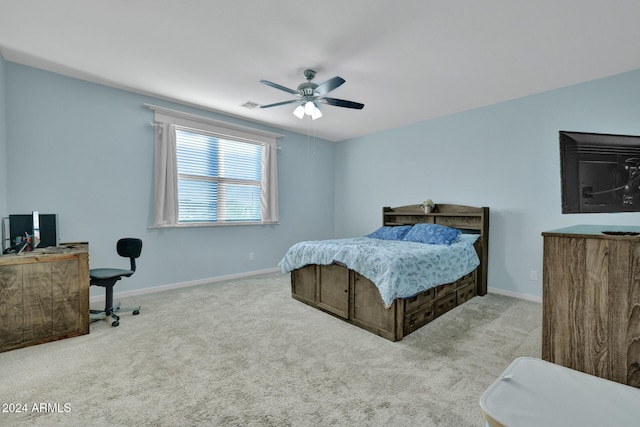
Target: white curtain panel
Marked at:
166, 176
269, 188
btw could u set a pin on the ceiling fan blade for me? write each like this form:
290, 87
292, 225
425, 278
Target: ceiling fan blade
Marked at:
280, 103
329, 85
342, 103
277, 86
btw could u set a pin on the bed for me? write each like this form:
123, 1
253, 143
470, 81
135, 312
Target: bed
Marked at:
337, 283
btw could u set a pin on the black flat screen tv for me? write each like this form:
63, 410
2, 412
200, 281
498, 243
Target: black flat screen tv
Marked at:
599, 172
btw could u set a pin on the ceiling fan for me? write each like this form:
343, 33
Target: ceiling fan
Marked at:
309, 95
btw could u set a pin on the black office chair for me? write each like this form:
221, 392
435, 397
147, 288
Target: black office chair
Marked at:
107, 278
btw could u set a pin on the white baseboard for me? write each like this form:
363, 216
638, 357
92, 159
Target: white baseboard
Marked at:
125, 294
516, 295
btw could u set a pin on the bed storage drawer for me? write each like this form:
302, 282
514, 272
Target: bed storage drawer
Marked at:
443, 290
444, 304
469, 278
413, 303
418, 318
465, 293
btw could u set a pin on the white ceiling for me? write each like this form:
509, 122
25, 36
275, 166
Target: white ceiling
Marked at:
407, 61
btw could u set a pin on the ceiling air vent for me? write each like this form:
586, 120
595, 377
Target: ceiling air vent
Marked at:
250, 105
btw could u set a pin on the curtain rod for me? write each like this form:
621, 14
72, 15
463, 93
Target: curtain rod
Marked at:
208, 120
159, 124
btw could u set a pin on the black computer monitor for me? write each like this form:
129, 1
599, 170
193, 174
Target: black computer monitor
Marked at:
48, 226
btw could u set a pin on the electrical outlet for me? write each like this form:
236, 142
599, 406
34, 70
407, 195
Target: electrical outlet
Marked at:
252, 256
533, 275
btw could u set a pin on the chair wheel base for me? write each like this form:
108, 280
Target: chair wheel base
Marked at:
112, 313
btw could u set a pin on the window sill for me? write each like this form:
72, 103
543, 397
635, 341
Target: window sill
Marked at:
212, 224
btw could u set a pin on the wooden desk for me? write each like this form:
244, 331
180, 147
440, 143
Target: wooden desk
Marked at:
43, 296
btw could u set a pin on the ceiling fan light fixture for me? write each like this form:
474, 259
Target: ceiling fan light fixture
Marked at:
309, 108
299, 112
316, 114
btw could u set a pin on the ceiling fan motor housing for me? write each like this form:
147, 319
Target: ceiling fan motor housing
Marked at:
307, 89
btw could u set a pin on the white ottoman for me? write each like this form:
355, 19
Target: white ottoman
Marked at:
534, 393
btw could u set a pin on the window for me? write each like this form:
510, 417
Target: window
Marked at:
212, 173
218, 179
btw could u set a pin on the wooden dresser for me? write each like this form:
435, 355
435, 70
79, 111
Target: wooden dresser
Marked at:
591, 301
43, 297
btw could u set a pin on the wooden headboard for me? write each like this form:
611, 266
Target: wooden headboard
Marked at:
468, 218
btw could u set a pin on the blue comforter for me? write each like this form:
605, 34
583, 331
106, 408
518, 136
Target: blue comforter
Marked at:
400, 269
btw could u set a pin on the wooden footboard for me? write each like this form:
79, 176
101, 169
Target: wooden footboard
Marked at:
352, 297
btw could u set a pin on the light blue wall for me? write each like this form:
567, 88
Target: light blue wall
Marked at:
3, 143
504, 156
85, 152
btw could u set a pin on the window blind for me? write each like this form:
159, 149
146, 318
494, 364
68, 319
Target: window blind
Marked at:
218, 179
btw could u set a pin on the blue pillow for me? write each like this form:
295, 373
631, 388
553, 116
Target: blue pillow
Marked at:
390, 233
432, 233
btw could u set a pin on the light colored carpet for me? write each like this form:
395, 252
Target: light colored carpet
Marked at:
244, 353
